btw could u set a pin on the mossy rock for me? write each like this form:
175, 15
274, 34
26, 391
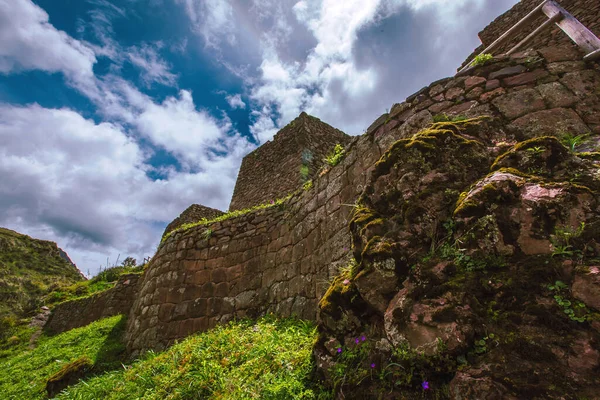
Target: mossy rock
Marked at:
68, 375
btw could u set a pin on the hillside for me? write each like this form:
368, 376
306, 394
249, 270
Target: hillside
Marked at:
30, 268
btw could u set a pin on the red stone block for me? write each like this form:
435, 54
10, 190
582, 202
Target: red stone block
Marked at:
526, 78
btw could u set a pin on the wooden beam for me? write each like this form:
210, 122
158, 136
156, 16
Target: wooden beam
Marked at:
595, 55
512, 31
536, 32
581, 35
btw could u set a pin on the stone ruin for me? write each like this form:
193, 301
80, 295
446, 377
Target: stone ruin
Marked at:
283, 259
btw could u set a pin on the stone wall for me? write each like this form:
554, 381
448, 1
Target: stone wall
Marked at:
273, 170
193, 213
281, 259
586, 11
81, 312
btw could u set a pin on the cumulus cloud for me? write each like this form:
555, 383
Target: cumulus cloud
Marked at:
235, 101
30, 42
85, 185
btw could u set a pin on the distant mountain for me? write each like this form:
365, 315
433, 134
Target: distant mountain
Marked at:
30, 268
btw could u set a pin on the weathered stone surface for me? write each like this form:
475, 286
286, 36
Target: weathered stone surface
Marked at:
508, 71
586, 287
273, 170
557, 121
526, 78
515, 104
77, 313
556, 95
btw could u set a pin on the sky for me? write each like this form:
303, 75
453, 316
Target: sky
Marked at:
116, 115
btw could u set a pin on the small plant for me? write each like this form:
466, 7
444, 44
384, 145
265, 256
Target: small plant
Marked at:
308, 185
304, 172
207, 234
336, 155
482, 59
571, 142
576, 311
561, 240
535, 150
481, 346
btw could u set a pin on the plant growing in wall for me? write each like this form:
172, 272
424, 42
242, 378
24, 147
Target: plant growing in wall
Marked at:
482, 59
336, 155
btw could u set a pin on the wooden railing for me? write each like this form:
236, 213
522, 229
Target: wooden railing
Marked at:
582, 36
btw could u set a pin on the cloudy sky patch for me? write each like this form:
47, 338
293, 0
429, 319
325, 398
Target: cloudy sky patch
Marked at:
116, 115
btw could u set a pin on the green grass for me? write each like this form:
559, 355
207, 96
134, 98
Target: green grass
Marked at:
29, 269
226, 216
106, 279
23, 376
264, 359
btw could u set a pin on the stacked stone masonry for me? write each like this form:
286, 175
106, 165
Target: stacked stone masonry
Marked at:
586, 11
193, 213
273, 170
281, 259
81, 312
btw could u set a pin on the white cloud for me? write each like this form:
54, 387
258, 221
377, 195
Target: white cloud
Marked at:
29, 42
153, 67
213, 19
85, 186
235, 101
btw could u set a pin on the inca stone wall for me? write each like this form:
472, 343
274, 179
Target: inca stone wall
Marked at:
193, 213
273, 170
76, 313
586, 11
282, 258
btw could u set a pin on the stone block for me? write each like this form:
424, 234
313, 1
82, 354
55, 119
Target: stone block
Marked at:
556, 121
508, 71
515, 104
556, 95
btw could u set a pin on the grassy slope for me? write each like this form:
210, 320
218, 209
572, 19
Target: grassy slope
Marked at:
266, 359
30, 268
24, 375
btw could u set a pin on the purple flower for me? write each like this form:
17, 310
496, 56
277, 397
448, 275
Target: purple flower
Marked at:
363, 338
373, 365
356, 340
425, 385
339, 350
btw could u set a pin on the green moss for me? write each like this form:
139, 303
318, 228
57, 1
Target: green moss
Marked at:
82, 364
537, 142
593, 156
226, 216
429, 141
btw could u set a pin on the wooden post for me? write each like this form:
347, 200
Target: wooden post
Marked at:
581, 35
512, 31
536, 32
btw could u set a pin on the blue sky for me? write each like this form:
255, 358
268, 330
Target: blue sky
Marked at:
116, 115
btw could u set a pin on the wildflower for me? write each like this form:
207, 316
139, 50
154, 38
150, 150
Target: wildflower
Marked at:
425, 385
363, 338
339, 350
346, 282
373, 365
356, 340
